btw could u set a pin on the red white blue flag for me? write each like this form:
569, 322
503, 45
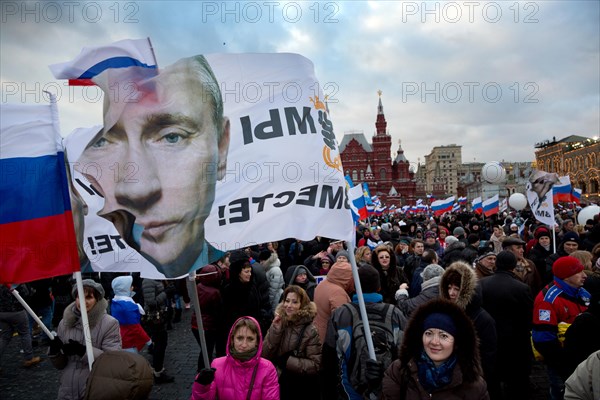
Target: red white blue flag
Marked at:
491, 206
576, 196
441, 206
562, 190
476, 205
37, 237
92, 61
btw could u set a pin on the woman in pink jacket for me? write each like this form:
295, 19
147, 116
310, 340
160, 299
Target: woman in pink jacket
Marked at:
242, 373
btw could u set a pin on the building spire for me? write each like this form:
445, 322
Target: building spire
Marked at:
380, 123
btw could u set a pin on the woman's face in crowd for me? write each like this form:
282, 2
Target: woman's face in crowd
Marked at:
291, 304
498, 231
367, 256
438, 345
544, 241
301, 278
245, 274
244, 340
453, 291
384, 259
90, 301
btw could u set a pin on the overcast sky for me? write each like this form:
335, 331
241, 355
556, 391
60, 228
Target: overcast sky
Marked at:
494, 77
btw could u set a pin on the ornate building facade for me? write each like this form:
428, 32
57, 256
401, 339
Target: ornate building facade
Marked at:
576, 156
392, 180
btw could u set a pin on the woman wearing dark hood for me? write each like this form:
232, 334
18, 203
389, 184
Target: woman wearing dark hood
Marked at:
439, 358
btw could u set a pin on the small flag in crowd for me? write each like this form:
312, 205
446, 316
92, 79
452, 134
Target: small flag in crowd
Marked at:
562, 190
576, 196
477, 206
491, 206
441, 206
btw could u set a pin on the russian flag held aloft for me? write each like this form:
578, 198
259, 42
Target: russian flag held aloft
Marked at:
491, 206
94, 60
576, 196
477, 206
441, 206
562, 190
357, 203
37, 237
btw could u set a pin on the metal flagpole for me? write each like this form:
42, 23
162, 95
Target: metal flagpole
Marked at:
37, 319
193, 293
84, 319
361, 301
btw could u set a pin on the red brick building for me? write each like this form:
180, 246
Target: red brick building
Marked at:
392, 180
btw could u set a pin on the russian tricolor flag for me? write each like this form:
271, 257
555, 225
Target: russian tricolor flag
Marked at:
491, 206
357, 203
477, 206
92, 61
576, 196
37, 237
561, 191
441, 206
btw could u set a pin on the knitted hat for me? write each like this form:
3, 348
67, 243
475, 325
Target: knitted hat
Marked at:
485, 255
440, 321
369, 279
342, 253
506, 261
404, 240
450, 239
430, 234
431, 271
565, 267
458, 231
89, 283
570, 237
541, 232
301, 270
514, 226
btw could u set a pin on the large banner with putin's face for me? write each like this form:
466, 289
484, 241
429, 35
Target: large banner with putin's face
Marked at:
210, 154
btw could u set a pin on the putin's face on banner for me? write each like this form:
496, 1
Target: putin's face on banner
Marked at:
160, 161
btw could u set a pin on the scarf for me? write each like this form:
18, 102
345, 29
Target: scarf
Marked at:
484, 271
578, 293
431, 377
243, 356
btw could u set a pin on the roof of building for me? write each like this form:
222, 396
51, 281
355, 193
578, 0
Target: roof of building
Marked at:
573, 138
359, 137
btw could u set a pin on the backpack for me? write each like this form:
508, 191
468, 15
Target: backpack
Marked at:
380, 322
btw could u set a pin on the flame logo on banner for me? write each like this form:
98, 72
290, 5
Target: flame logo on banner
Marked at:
328, 134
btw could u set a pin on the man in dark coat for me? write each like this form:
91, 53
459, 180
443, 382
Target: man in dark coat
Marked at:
510, 302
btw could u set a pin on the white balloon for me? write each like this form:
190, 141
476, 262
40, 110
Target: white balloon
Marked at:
493, 172
518, 201
587, 213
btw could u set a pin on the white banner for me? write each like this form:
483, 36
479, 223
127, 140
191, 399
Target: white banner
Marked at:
269, 166
539, 195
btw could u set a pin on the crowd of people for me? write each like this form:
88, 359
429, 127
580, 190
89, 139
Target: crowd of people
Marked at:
457, 307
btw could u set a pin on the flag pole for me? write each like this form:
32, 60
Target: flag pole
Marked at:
193, 293
361, 301
84, 319
32, 313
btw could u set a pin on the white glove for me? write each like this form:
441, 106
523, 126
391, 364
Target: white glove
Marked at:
400, 293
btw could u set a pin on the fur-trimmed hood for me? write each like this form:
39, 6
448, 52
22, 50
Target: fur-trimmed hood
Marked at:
72, 316
468, 283
304, 315
466, 342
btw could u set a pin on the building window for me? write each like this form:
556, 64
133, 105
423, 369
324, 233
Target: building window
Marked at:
362, 174
354, 175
